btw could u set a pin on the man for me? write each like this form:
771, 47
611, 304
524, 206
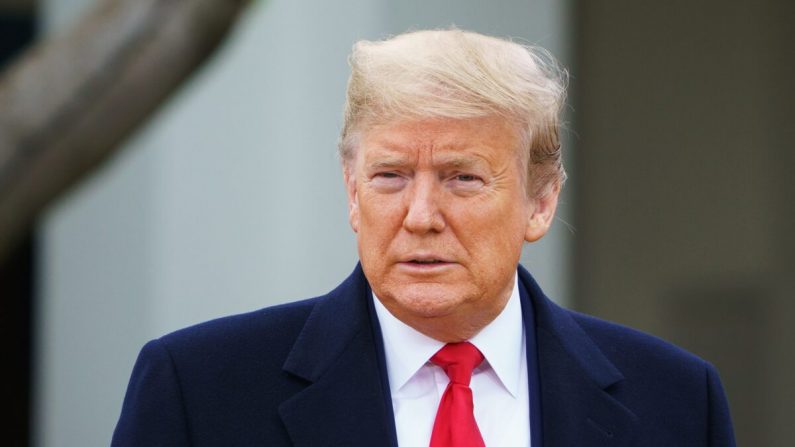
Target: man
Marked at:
451, 161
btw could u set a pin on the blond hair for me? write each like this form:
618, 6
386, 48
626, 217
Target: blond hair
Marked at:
460, 74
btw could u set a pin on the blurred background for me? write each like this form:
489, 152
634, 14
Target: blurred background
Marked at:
677, 219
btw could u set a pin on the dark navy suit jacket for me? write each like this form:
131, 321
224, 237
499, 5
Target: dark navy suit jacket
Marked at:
311, 374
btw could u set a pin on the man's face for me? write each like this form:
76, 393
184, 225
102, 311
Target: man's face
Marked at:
441, 214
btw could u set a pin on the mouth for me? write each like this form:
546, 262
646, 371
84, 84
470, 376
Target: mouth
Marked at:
425, 262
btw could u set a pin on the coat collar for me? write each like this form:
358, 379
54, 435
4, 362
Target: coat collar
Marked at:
575, 378
346, 401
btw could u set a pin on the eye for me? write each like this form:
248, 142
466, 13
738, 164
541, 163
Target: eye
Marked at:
465, 183
464, 178
387, 181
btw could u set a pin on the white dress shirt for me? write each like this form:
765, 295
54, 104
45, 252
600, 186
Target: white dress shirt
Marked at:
499, 384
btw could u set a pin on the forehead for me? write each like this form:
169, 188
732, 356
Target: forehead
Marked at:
442, 140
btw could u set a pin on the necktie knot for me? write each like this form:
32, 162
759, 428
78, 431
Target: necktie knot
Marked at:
458, 360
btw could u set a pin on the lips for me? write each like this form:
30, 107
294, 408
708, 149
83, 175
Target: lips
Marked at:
425, 258
425, 261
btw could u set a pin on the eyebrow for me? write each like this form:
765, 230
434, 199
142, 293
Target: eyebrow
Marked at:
459, 161
388, 162
452, 161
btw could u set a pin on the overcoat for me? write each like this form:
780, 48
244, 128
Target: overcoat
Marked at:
311, 373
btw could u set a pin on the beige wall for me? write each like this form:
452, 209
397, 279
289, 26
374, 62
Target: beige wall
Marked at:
685, 188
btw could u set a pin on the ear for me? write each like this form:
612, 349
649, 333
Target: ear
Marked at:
353, 200
542, 211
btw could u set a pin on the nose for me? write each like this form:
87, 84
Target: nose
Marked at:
423, 214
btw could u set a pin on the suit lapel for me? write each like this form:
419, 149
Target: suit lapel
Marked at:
344, 403
575, 379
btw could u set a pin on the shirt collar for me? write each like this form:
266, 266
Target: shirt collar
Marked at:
501, 342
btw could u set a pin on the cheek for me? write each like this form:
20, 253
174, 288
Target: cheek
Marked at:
491, 230
380, 211
379, 221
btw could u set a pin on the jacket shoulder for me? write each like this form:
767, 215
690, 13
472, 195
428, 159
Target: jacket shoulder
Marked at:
196, 384
659, 376
664, 383
269, 332
625, 345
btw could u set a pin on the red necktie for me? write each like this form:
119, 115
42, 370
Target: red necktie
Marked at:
455, 424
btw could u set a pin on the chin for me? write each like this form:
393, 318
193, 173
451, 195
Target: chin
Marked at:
428, 301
